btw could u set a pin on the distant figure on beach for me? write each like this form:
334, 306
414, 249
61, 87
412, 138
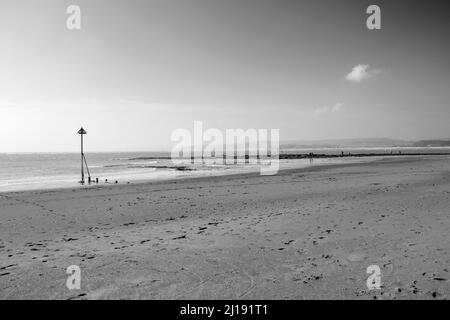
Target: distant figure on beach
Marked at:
311, 157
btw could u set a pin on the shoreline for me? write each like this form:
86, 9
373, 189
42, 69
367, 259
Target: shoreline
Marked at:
319, 155
135, 181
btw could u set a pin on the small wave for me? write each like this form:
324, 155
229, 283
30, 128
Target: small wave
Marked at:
179, 168
149, 158
145, 166
115, 165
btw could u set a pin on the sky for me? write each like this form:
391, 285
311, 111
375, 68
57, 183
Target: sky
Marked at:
139, 69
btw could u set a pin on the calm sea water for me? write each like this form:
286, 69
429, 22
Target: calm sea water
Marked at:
20, 171
53, 170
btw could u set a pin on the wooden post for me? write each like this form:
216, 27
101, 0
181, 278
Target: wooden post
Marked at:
82, 132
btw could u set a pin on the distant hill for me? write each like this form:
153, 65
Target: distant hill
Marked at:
347, 143
432, 143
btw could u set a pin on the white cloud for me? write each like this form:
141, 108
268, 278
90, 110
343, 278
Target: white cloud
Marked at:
361, 72
329, 109
337, 107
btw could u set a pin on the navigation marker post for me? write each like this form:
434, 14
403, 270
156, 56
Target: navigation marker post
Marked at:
83, 158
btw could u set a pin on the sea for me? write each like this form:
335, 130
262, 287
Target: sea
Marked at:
30, 171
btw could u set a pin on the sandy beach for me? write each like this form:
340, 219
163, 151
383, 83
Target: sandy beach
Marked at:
305, 233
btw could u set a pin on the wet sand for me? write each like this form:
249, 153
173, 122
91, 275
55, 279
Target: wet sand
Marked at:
302, 234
